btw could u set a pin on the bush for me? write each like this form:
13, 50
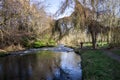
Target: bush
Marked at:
25, 42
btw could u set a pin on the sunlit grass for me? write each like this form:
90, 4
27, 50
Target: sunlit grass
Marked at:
100, 44
43, 43
97, 66
87, 44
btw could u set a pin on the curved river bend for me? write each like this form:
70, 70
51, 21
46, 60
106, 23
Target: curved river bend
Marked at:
45, 64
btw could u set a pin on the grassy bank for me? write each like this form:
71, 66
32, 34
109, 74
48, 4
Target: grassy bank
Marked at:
97, 66
116, 52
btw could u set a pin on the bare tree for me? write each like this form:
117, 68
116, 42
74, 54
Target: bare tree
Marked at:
21, 21
91, 14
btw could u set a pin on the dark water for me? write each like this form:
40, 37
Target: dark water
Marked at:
43, 65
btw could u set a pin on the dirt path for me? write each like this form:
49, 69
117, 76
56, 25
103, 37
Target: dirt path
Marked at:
112, 55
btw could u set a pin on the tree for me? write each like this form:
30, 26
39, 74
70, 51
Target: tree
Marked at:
82, 16
21, 21
87, 15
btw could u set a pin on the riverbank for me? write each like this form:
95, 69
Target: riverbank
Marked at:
97, 66
59, 48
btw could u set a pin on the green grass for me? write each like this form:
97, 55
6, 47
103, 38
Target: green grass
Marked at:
42, 43
97, 66
116, 52
100, 44
87, 44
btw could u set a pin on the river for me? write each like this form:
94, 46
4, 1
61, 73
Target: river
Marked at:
58, 63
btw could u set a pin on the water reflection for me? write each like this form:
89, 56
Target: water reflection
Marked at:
44, 65
70, 64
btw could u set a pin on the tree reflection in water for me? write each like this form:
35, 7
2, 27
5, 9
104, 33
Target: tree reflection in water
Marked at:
43, 65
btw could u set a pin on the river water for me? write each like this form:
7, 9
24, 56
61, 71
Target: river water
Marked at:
48, 64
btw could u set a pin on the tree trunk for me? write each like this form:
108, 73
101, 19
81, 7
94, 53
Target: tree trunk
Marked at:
108, 38
93, 35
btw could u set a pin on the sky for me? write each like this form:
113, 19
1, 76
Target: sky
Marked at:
53, 5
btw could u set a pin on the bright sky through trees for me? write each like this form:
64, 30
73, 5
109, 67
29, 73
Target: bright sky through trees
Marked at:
52, 6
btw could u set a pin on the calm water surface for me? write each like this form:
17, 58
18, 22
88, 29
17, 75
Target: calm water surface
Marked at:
42, 65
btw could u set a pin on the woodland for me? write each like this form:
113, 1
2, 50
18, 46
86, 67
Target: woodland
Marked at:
26, 24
